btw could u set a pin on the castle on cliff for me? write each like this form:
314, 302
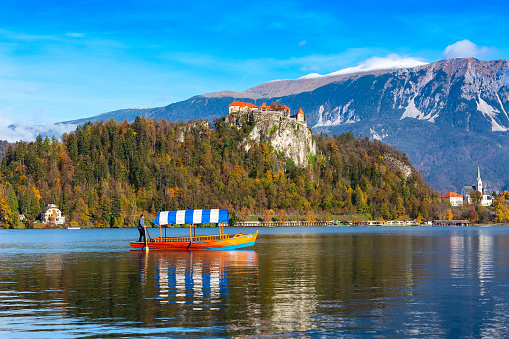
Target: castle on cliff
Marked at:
245, 107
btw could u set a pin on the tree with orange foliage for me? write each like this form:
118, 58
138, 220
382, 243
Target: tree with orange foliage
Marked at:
242, 215
267, 215
473, 216
449, 215
7, 216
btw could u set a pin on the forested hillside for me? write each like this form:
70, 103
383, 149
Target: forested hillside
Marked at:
3, 147
106, 174
449, 116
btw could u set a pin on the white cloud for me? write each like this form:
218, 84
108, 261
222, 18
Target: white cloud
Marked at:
392, 61
465, 49
302, 43
14, 131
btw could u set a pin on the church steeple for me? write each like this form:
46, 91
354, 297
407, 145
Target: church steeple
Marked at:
479, 181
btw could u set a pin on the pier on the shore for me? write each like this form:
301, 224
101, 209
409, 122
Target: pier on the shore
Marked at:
284, 223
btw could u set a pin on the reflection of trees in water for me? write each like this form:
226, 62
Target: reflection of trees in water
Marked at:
294, 282
340, 275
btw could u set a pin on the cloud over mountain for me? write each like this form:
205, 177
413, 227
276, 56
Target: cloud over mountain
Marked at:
391, 61
16, 131
465, 49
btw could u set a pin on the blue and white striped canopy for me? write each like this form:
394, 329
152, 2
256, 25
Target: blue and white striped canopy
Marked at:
191, 217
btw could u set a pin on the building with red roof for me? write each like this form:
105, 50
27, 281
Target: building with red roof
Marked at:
300, 117
241, 107
264, 107
245, 107
453, 198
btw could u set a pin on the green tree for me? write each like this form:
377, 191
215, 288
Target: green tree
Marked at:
476, 197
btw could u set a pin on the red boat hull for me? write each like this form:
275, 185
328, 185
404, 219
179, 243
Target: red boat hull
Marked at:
198, 243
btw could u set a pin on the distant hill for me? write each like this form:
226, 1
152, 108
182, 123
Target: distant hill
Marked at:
105, 175
449, 116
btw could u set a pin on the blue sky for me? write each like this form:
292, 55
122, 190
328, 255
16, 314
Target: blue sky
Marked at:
62, 60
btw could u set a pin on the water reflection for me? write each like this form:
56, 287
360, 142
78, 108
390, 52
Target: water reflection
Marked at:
472, 256
485, 269
457, 250
200, 278
355, 282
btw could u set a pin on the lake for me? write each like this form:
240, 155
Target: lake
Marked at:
295, 282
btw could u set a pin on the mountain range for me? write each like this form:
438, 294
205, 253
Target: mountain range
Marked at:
449, 117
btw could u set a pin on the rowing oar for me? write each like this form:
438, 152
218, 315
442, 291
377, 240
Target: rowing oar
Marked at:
146, 238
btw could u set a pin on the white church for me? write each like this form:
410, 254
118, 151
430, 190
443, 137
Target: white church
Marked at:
486, 200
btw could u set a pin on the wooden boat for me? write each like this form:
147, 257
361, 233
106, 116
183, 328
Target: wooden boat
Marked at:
219, 241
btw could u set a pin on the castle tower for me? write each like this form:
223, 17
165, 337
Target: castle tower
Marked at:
300, 115
479, 181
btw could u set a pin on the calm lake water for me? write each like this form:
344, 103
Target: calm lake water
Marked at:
294, 283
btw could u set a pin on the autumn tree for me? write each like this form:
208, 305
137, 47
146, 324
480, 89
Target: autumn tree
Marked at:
8, 217
449, 215
122, 169
476, 197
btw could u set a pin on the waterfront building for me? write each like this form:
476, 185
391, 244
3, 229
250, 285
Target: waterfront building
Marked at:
486, 199
451, 223
52, 214
453, 198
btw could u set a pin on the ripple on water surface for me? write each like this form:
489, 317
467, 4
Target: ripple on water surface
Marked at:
299, 282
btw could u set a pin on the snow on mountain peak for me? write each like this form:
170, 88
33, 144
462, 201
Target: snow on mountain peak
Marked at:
312, 76
392, 61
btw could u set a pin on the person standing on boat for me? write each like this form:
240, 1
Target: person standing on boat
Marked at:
141, 228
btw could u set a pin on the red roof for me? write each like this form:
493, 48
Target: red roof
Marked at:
451, 195
264, 106
300, 111
240, 103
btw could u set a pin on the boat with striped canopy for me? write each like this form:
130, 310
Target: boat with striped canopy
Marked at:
221, 241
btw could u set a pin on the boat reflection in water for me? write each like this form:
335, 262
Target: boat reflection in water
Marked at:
200, 278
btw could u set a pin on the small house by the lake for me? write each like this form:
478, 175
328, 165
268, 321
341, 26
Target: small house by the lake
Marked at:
51, 214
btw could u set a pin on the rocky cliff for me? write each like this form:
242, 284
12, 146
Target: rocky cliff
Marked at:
284, 134
467, 94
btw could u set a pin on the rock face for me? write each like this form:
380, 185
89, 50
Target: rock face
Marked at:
183, 130
398, 165
286, 135
465, 94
